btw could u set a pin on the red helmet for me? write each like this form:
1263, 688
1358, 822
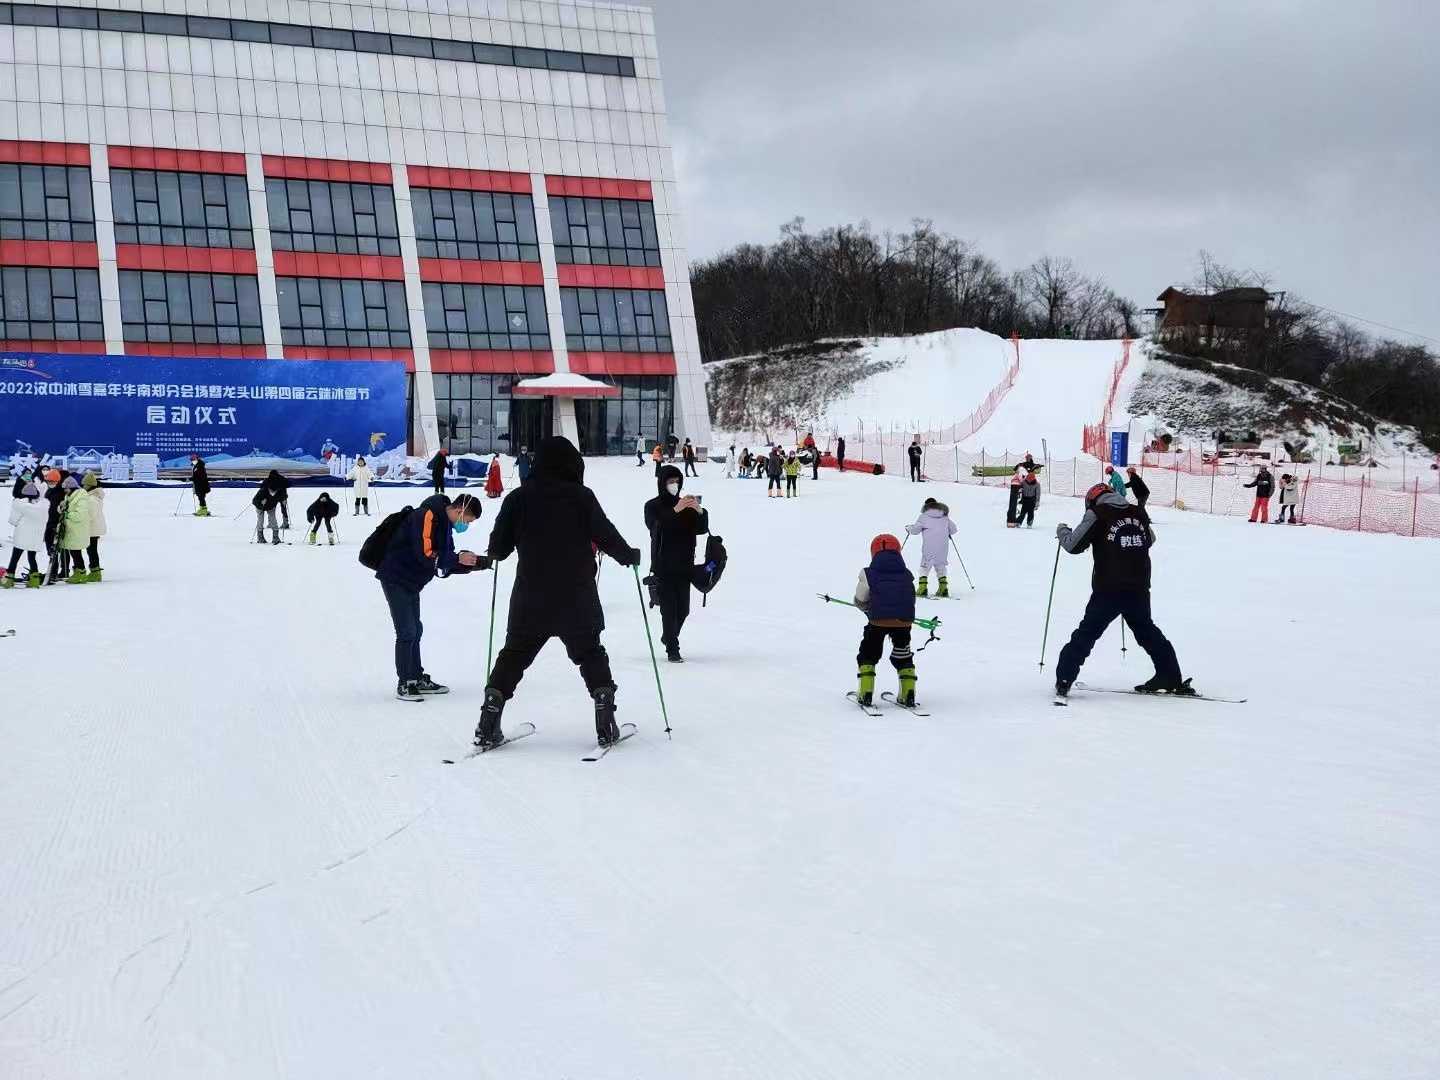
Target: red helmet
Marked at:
883, 542
1096, 490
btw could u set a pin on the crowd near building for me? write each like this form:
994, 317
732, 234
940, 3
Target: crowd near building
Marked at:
482, 189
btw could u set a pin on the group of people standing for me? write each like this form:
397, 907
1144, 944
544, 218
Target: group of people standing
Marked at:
54, 512
1264, 485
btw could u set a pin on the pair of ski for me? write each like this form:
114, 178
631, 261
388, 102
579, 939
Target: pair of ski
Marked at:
1065, 702
527, 729
873, 710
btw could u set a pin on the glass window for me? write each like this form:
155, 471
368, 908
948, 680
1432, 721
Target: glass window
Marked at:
46, 202
45, 304
616, 320
326, 38
332, 217
79, 17
190, 309
607, 232
485, 316
343, 313
534, 58
192, 209
479, 225
164, 24
565, 61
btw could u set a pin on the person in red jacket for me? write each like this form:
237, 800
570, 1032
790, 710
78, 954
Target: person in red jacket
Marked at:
493, 485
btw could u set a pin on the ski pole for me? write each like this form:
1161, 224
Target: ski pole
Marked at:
490, 648
924, 624
961, 558
1048, 603
654, 664
179, 503
1122, 639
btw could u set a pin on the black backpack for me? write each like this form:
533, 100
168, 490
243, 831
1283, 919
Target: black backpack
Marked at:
372, 551
707, 575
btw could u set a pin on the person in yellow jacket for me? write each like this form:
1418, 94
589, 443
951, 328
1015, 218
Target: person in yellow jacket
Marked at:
73, 534
792, 476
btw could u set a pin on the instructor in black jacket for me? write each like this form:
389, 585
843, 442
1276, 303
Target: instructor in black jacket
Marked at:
674, 523
555, 523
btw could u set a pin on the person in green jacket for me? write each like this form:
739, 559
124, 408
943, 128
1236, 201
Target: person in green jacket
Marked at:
74, 532
792, 476
1115, 480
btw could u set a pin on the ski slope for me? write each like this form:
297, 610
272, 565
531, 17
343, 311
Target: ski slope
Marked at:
229, 852
1061, 387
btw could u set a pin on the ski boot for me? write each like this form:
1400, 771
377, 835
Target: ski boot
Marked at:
202, 512
310, 538
922, 587
865, 694
408, 690
78, 577
34, 580
606, 730
1062, 688
487, 733
95, 577
1160, 684
427, 685
332, 539
944, 590
906, 697
6, 581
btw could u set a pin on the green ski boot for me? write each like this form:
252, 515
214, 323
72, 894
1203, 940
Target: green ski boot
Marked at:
907, 688
95, 577
923, 587
866, 693
944, 589
310, 539
35, 580
7, 582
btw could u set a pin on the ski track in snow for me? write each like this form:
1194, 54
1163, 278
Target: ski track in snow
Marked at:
230, 853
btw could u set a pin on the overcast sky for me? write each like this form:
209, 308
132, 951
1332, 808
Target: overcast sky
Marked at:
1297, 138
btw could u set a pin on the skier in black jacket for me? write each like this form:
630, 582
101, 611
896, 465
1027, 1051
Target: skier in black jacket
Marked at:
280, 488
322, 512
1137, 486
199, 484
916, 454
265, 500
437, 470
555, 523
674, 523
1119, 538
1264, 485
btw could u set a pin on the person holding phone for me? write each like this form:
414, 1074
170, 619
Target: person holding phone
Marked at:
674, 523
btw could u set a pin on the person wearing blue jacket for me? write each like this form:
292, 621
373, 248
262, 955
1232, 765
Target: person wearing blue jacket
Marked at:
421, 548
886, 594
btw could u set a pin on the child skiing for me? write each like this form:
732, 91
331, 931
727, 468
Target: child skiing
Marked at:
322, 512
1289, 496
1029, 500
199, 484
28, 515
886, 594
935, 528
792, 476
361, 476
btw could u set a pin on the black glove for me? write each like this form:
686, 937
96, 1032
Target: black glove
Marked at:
482, 562
629, 557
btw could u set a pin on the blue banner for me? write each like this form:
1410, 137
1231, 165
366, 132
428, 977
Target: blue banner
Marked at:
300, 410
1119, 448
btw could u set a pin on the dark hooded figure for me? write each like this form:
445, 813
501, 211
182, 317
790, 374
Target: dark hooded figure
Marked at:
674, 523
200, 485
279, 487
555, 524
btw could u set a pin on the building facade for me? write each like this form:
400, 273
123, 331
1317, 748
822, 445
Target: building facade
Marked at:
483, 189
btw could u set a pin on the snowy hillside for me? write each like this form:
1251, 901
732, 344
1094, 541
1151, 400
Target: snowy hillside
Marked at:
229, 853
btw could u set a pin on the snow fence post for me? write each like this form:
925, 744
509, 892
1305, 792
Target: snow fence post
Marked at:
1360, 515
1177, 486
1415, 507
1213, 470
982, 467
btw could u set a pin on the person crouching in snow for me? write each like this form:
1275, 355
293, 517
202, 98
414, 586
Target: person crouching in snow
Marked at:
361, 476
886, 594
1029, 500
265, 500
493, 484
28, 514
936, 528
322, 512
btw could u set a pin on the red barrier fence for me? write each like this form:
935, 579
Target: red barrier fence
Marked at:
1096, 437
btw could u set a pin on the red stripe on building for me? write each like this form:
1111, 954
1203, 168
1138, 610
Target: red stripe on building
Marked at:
622, 363
225, 352
300, 168
92, 347
201, 161
48, 253
193, 259
44, 153
341, 352
429, 176
491, 361
316, 264
599, 188
468, 272
611, 277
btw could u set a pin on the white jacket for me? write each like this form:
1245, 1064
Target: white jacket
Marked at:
640, 447
97, 513
1289, 493
30, 524
935, 526
362, 476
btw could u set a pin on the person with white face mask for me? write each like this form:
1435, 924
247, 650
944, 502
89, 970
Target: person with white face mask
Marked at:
674, 523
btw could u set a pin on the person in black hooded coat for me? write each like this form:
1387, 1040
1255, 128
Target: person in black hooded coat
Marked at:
674, 523
280, 488
555, 524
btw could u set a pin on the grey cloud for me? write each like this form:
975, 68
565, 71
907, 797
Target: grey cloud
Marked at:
1296, 138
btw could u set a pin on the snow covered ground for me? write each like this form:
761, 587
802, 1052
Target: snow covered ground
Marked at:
229, 853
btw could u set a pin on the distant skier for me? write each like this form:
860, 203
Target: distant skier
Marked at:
745, 463
674, 523
265, 500
886, 594
1115, 480
555, 523
917, 455
840, 453
54, 496
640, 450
792, 476
1264, 485
1012, 505
672, 446
774, 469
437, 470
1029, 500
361, 476
281, 489
935, 528
687, 452
73, 534
730, 463
1119, 538
98, 526
1289, 497
814, 451
524, 463
28, 515
199, 484
1137, 485
322, 512
494, 485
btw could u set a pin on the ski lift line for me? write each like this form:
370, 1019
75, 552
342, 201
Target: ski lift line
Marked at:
1372, 322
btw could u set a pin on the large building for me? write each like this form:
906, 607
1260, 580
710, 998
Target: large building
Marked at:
482, 189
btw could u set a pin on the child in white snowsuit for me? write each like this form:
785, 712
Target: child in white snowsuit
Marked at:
936, 528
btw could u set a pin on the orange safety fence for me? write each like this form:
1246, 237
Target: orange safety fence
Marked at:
1095, 439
